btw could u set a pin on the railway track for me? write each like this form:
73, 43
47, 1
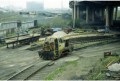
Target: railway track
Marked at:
29, 71
80, 40
92, 39
78, 44
39, 75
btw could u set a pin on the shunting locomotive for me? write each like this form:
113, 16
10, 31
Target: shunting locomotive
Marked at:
56, 46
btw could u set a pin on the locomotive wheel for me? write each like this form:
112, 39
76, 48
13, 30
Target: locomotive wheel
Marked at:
44, 57
53, 58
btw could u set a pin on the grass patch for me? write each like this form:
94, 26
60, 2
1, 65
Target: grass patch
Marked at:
52, 75
99, 71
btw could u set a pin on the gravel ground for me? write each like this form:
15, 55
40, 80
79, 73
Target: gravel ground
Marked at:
13, 60
84, 59
87, 59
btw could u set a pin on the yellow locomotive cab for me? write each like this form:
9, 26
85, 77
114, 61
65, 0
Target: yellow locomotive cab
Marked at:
55, 46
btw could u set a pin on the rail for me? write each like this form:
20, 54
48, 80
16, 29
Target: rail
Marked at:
29, 71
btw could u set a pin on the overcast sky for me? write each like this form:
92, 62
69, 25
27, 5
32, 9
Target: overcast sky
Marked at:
47, 3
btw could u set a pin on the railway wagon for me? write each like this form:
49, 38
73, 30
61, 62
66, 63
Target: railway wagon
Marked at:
55, 46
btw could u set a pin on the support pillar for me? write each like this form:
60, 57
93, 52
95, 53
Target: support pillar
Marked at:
116, 9
93, 15
111, 15
77, 12
72, 13
87, 15
107, 24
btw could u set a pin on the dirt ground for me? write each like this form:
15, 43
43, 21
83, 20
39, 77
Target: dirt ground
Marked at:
87, 60
13, 60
